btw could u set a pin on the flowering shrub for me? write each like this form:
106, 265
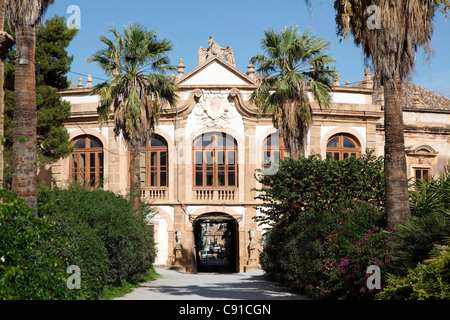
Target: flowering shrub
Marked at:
328, 226
326, 222
372, 248
326, 254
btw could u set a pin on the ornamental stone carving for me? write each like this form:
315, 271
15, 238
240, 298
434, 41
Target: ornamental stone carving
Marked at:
215, 108
214, 50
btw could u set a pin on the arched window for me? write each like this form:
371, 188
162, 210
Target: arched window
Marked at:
215, 159
342, 146
274, 150
154, 163
86, 161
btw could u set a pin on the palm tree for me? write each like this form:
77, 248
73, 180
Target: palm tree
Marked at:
294, 66
24, 15
404, 26
134, 97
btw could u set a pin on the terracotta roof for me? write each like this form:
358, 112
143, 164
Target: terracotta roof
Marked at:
426, 99
417, 98
72, 86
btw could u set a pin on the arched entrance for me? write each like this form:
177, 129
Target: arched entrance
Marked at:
216, 243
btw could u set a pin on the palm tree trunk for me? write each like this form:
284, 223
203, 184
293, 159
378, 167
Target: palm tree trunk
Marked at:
5, 44
135, 178
24, 167
2, 93
396, 179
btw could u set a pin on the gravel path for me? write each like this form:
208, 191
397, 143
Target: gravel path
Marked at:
175, 285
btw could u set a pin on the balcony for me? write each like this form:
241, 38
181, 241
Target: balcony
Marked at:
215, 194
155, 193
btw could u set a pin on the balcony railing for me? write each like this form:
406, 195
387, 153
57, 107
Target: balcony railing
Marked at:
216, 194
198, 194
155, 193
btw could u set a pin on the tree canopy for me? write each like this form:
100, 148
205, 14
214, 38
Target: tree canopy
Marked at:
52, 65
295, 64
137, 61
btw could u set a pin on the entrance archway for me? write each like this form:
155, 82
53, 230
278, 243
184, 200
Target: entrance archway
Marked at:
216, 243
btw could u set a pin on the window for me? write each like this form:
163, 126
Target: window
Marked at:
274, 150
421, 174
154, 163
215, 160
86, 161
343, 146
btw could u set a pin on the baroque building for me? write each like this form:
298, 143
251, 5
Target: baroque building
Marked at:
198, 170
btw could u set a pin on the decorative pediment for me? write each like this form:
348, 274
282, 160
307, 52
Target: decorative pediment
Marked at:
216, 67
215, 72
422, 150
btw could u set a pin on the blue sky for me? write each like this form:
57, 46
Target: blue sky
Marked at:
239, 24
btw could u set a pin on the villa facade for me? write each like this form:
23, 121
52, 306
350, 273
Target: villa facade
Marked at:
198, 170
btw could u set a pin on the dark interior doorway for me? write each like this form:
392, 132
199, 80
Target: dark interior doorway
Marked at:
216, 243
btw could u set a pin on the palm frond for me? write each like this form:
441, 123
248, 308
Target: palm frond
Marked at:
283, 92
27, 12
133, 97
406, 25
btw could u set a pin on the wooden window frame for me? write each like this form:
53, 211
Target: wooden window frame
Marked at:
422, 176
341, 150
157, 168
281, 148
98, 168
214, 167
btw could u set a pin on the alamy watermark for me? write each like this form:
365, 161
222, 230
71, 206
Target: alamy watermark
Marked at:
74, 281
374, 21
74, 20
374, 280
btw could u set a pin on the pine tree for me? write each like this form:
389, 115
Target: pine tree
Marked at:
52, 65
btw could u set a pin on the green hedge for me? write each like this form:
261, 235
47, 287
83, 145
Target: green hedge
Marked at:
31, 263
93, 229
109, 240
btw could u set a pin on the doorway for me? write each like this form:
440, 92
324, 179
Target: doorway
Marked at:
216, 243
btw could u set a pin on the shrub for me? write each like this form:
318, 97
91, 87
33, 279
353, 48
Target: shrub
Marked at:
429, 280
430, 224
102, 226
31, 267
430, 195
325, 254
315, 183
371, 248
317, 211
415, 241
89, 253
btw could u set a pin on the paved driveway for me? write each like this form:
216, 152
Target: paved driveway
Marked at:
175, 285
